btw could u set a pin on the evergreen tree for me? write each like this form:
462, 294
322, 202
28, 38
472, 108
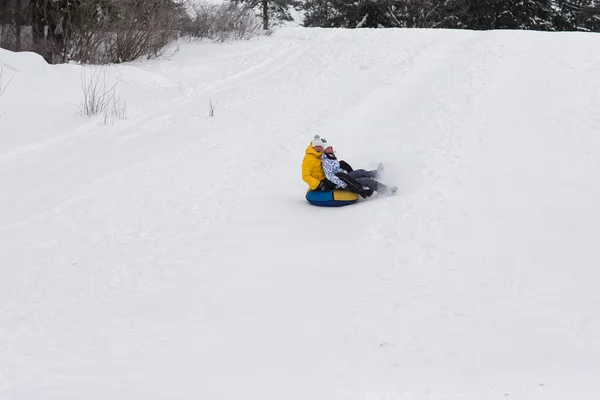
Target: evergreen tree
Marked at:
525, 14
544, 15
320, 13
351, 13
271, 11
478, 14
578, 15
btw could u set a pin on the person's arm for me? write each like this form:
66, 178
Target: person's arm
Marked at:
313, 182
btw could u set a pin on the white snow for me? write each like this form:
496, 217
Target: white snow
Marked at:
172, 255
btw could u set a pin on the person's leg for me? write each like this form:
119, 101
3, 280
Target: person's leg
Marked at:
345, 166
370, 183
354, 186
376, 185
361, 173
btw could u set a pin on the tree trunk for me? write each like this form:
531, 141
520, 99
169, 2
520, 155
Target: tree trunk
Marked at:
18, 24
39, 28
4, 14
265, 4
37, 21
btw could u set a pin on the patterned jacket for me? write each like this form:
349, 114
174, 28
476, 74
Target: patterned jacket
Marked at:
332, 167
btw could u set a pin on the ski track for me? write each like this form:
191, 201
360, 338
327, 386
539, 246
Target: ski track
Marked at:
157, 258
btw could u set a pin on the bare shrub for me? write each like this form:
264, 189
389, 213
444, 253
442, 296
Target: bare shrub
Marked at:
115, 110
221, 22
211, 108
125, 30
144, 28
116, 31
100, 99
105, 31
91, 29
3, 86
95, 94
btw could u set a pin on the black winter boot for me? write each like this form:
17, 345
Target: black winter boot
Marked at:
366, 192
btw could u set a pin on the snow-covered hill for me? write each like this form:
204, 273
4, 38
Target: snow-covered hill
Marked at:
171, 255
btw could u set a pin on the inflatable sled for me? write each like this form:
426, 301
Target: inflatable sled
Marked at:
331, 198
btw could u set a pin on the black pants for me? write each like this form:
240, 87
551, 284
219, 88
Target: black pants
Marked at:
345, 166
367, 178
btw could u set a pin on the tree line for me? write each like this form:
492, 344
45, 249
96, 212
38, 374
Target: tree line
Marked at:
542, 15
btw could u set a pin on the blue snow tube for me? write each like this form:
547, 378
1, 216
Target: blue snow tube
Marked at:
331, 198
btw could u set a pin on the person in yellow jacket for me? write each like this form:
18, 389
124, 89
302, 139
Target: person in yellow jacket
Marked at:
312, 170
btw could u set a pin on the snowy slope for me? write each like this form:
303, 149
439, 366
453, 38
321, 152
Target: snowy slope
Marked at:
172, 255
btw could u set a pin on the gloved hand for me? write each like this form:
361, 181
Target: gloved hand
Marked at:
325, 185
366, 192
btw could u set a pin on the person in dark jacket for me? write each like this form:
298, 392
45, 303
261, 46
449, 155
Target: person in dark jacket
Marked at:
342, 176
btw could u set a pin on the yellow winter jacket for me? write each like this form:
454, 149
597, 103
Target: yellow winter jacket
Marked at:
312, 170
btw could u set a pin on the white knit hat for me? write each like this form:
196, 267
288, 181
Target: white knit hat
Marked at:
317, 141
326, 144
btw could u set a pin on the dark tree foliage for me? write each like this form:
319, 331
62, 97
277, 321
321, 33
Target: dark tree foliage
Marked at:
578, 15
542, 15
525, 14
